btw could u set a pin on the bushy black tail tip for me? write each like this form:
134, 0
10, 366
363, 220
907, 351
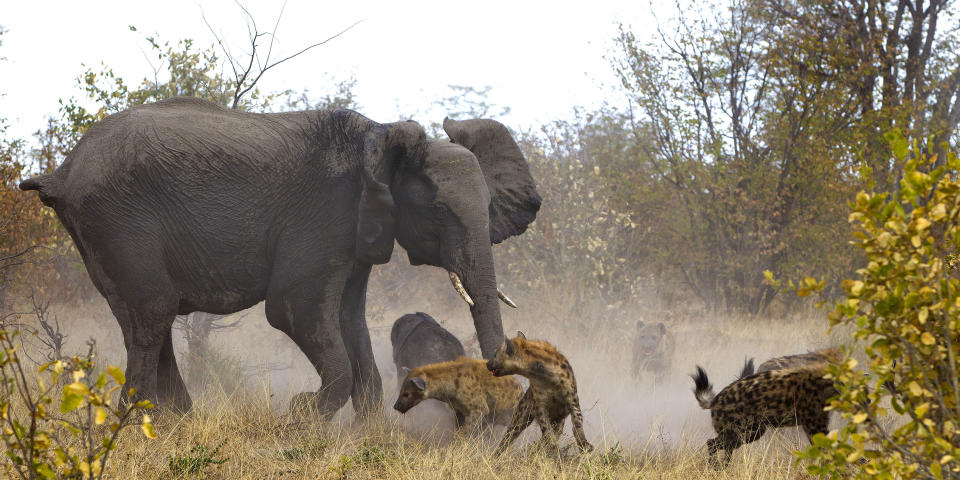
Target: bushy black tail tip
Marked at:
700, 380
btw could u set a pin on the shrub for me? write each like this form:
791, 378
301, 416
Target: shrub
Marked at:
38, 442
905, 308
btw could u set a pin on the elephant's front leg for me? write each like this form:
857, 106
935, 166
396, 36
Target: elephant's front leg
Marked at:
367, 390
309, 313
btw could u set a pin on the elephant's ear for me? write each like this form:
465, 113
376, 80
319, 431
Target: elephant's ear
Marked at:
514, 200
375, 213
384, 148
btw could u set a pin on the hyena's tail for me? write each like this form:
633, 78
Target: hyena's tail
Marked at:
703, 390
748, 369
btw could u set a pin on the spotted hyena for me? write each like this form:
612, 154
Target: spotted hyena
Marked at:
743, 410
653, 349
552, 394
477, 397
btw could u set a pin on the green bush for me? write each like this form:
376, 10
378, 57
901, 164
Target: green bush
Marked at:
905, 309
71, 438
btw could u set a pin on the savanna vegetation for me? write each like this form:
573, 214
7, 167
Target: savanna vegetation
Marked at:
768, 157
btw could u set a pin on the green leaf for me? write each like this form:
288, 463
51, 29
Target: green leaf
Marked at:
45, 471
71, 400
897, 143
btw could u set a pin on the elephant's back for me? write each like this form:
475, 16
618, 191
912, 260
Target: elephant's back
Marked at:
181, 146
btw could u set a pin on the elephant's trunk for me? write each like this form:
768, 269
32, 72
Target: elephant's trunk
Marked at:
480, 283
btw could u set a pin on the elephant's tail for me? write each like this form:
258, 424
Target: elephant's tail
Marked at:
45, 184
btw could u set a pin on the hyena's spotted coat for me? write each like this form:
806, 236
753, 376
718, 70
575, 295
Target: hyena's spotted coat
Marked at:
476, 396
552, 395
826, 355
743, 410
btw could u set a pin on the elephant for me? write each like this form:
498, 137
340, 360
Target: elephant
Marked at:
184, 205
420, 340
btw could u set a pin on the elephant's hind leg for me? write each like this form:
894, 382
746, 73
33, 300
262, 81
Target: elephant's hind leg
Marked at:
172, 390
146, 330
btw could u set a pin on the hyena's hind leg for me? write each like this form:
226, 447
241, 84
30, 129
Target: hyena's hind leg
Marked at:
816, 424
576, 417
726, 442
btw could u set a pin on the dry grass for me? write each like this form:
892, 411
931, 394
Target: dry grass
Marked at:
261, 443
639, 430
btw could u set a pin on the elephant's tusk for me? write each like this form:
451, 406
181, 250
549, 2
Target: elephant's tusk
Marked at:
458, 286
505, 298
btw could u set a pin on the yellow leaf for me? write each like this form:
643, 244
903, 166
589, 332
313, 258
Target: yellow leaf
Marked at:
927, 339
856, 287
924, 313
915, 241
922, 409
147, 427
101, 416
915, 389
938, 212
117, 374
922, 224
860, 418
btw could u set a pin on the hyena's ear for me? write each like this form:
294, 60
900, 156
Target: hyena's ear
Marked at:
419, 383
662, 327
521, 335
508, 347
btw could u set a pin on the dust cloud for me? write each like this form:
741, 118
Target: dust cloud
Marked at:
637, 415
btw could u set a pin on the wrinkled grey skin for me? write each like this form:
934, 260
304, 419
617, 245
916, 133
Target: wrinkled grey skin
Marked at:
419, 340
183, 206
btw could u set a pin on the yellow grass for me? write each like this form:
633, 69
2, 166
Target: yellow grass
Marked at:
640, 430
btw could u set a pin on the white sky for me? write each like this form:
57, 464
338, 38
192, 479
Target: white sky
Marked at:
541, 58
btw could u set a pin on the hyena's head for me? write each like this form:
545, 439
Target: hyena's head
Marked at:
519, 356
650, 337
412, 392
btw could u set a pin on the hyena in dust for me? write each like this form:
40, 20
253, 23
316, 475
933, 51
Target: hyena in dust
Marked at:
551, 397
477, 397
653, 349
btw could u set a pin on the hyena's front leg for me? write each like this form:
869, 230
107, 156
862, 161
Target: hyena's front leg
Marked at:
576, 417
522, 417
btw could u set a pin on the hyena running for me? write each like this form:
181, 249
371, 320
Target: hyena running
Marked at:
476, 396
552, 395
743, 410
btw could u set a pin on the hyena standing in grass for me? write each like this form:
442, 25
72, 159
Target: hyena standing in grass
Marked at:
552, 394
743, 410
653, 350
475, 395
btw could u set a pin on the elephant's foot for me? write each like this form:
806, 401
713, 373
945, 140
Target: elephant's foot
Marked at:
315, 404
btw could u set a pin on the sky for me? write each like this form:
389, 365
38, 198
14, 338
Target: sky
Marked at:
540, 58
